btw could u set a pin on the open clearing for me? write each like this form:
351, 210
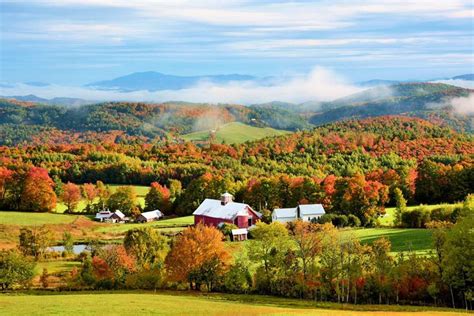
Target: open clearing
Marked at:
234, 133
34, 219
389, 217
402, 239
189, 304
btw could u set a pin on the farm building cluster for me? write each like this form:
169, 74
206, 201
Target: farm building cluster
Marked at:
217, 212
119, 217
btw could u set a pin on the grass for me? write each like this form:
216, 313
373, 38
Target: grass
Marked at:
165, 225
56, 266
172, 303
389, 217
234, 133
34, 219
402, 239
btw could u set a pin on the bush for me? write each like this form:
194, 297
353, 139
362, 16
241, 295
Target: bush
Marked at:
326, 218
442, 214
353, 221
340, 221
416, 218
226, 230
15, 270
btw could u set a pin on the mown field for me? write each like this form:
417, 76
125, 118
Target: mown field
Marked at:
389, 217
172, 303
234, 133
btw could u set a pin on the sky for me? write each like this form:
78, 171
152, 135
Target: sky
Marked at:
74, 42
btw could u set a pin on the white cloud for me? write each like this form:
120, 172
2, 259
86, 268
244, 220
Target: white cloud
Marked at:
458, 83
464, 105
319, 85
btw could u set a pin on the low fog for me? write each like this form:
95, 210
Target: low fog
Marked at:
319, 85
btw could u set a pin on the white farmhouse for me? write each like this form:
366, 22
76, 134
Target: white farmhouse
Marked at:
305, 212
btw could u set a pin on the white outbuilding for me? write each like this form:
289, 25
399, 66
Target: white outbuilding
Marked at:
305, 212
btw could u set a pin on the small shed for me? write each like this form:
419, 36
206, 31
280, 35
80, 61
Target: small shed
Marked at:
239, 234
150, 216
118, 217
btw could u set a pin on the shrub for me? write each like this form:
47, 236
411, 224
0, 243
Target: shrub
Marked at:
340, 221
416, 218
442, 214
326, 218
353, 221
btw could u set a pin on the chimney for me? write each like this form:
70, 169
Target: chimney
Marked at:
226, 198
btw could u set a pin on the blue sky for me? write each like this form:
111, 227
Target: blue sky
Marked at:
73, 42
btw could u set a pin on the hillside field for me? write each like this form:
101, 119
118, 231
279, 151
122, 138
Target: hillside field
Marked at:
191, 304
234, 133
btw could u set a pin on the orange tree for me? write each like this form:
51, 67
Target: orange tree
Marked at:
198, 256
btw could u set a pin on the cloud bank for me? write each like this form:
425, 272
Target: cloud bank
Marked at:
320, 84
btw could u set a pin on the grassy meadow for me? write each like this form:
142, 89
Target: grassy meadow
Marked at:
175, 303
234, 133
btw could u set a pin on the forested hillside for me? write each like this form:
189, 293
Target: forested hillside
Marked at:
425, 100
370, 158
125, 122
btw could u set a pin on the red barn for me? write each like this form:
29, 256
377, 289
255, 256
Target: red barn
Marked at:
213, 212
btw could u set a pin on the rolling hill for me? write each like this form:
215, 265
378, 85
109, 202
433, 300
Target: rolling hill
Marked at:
425, 100
233, 133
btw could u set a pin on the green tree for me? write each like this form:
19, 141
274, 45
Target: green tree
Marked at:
268, 249
15, 269
401, 206
458, 263
123, 199
68, 243
35, 242
147, 245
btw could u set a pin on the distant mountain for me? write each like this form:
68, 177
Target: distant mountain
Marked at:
377, 82
155, 81
53, 101
425, 100
468, 77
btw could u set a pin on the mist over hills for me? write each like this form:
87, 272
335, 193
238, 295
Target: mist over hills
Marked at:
22, 118
155, 81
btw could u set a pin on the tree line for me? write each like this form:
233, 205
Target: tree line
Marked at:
300, 260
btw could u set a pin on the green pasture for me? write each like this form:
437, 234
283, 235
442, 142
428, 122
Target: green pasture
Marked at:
165, 225
389, 217
34, 219
234, 133
185, 303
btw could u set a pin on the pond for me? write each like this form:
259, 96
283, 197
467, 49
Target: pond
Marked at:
77, 249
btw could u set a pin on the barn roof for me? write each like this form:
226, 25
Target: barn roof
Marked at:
152, 214
214, 208
119, 214
311, 209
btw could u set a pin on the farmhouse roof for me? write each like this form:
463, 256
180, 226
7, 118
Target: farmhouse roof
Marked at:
285, 212
214, 208
311, 209
152, 214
